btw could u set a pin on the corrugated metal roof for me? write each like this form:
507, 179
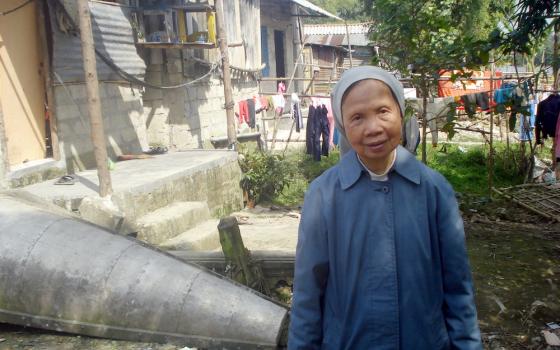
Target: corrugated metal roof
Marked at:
312, 9
113, 36
335, 28
335, 34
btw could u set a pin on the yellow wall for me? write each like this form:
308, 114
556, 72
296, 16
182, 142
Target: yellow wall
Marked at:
22, 92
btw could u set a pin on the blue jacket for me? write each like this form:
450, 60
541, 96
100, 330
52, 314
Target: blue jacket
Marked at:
382, 265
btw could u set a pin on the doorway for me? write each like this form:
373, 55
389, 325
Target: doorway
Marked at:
279, 53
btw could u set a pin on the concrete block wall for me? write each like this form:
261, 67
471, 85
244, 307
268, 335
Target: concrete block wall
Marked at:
124, 122
187, 118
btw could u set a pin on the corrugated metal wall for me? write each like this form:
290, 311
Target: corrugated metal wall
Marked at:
112, 34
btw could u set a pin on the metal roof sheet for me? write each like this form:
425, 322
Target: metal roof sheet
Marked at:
113, 36
314, 9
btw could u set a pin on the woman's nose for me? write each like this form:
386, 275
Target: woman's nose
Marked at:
373, 126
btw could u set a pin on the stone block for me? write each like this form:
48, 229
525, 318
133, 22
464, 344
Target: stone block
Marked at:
103, 212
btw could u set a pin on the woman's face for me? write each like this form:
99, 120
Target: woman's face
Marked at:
372, 121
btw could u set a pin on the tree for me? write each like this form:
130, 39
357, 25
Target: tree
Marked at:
424, 37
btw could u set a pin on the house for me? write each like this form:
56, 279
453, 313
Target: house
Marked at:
333, 48
159, 76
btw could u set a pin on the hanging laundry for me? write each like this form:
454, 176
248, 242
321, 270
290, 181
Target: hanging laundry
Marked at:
317, 133
526, 127
411, 135
279, 101
469, 102
309, 130
504, 93
296, 112
547, 117
437, 111
251, 110
483, 101
319, 101
243, 112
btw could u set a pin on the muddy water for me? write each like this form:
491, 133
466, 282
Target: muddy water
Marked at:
516, 271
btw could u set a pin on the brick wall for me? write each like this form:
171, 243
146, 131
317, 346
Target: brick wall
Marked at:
187, 118
123, 118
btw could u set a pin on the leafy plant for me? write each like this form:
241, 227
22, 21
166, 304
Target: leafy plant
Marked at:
265, 175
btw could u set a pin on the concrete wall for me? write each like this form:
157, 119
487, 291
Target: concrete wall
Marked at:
123, 118
22, 85
187, 118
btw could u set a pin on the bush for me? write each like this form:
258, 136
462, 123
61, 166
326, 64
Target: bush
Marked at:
265, 175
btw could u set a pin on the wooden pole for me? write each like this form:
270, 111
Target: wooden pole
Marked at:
297, 46
94, 104
491, 154
348, 42
42, 9
242, 268
228, 94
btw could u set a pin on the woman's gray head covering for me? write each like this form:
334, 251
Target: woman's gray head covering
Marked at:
352, 76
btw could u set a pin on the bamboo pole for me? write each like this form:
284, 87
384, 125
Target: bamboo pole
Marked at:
228, 94
491, 154
94, 103
348, 42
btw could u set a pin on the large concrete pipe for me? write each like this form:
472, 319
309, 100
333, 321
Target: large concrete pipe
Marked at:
60, 273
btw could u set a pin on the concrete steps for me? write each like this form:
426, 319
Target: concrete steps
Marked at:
203, 236
171, 220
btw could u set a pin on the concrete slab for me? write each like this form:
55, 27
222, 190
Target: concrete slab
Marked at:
135, 175
170, 220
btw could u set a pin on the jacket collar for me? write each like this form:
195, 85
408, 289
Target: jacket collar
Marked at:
405, 165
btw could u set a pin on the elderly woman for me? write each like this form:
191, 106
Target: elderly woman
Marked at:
381, 260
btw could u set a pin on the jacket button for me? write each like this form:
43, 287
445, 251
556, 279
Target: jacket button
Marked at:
385, 189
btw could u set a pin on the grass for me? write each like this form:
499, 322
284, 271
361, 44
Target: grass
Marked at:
464, 167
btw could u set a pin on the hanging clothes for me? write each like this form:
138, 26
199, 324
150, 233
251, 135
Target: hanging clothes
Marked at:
317, 133
482, 101
436, 113
243, 112
411, 135
557, 143
469, 102
279, 101
547, 117
251, 112
527, 123
309, 130
296, 112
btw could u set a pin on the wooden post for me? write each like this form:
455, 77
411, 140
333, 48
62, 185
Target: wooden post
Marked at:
228, 95
348, 42
238, 257
425, 90
94, 104
491, 154
42, 9
297, 47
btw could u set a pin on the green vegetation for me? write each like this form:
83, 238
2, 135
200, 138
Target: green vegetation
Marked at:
265, 175
466, 168
307, 171
283, 180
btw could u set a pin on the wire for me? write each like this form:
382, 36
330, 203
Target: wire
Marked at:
132, 79
129, 77
4, 13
